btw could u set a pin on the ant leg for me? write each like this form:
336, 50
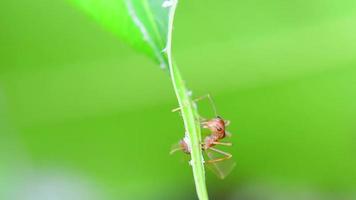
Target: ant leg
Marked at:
175, 150
202, 97
227, 156
223, 143
227, 122
203, 122
199, 99
201, 119
176, 109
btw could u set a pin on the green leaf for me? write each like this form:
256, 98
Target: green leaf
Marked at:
141, 23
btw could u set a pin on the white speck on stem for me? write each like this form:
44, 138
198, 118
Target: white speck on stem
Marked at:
195, 105
164, 50
162, 65
189, 93
167, 3
191, 162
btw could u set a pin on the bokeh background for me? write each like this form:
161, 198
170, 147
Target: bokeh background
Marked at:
84, 116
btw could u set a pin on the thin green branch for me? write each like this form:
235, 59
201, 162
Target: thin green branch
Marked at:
189, 114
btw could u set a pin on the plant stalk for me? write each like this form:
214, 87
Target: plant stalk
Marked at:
189, 114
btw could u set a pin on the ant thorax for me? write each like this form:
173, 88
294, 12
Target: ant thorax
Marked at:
210, 140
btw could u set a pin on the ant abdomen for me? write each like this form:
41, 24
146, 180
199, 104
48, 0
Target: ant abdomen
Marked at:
184, 146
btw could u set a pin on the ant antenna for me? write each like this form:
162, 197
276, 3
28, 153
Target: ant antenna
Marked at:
210, 101
175, 150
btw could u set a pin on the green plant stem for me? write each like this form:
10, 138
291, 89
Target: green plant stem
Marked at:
189, 114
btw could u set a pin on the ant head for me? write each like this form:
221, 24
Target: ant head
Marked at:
219, 123
219, 120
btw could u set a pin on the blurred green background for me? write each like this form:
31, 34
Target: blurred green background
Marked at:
84, 116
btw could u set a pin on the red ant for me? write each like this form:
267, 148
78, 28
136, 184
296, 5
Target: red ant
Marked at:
217, 127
